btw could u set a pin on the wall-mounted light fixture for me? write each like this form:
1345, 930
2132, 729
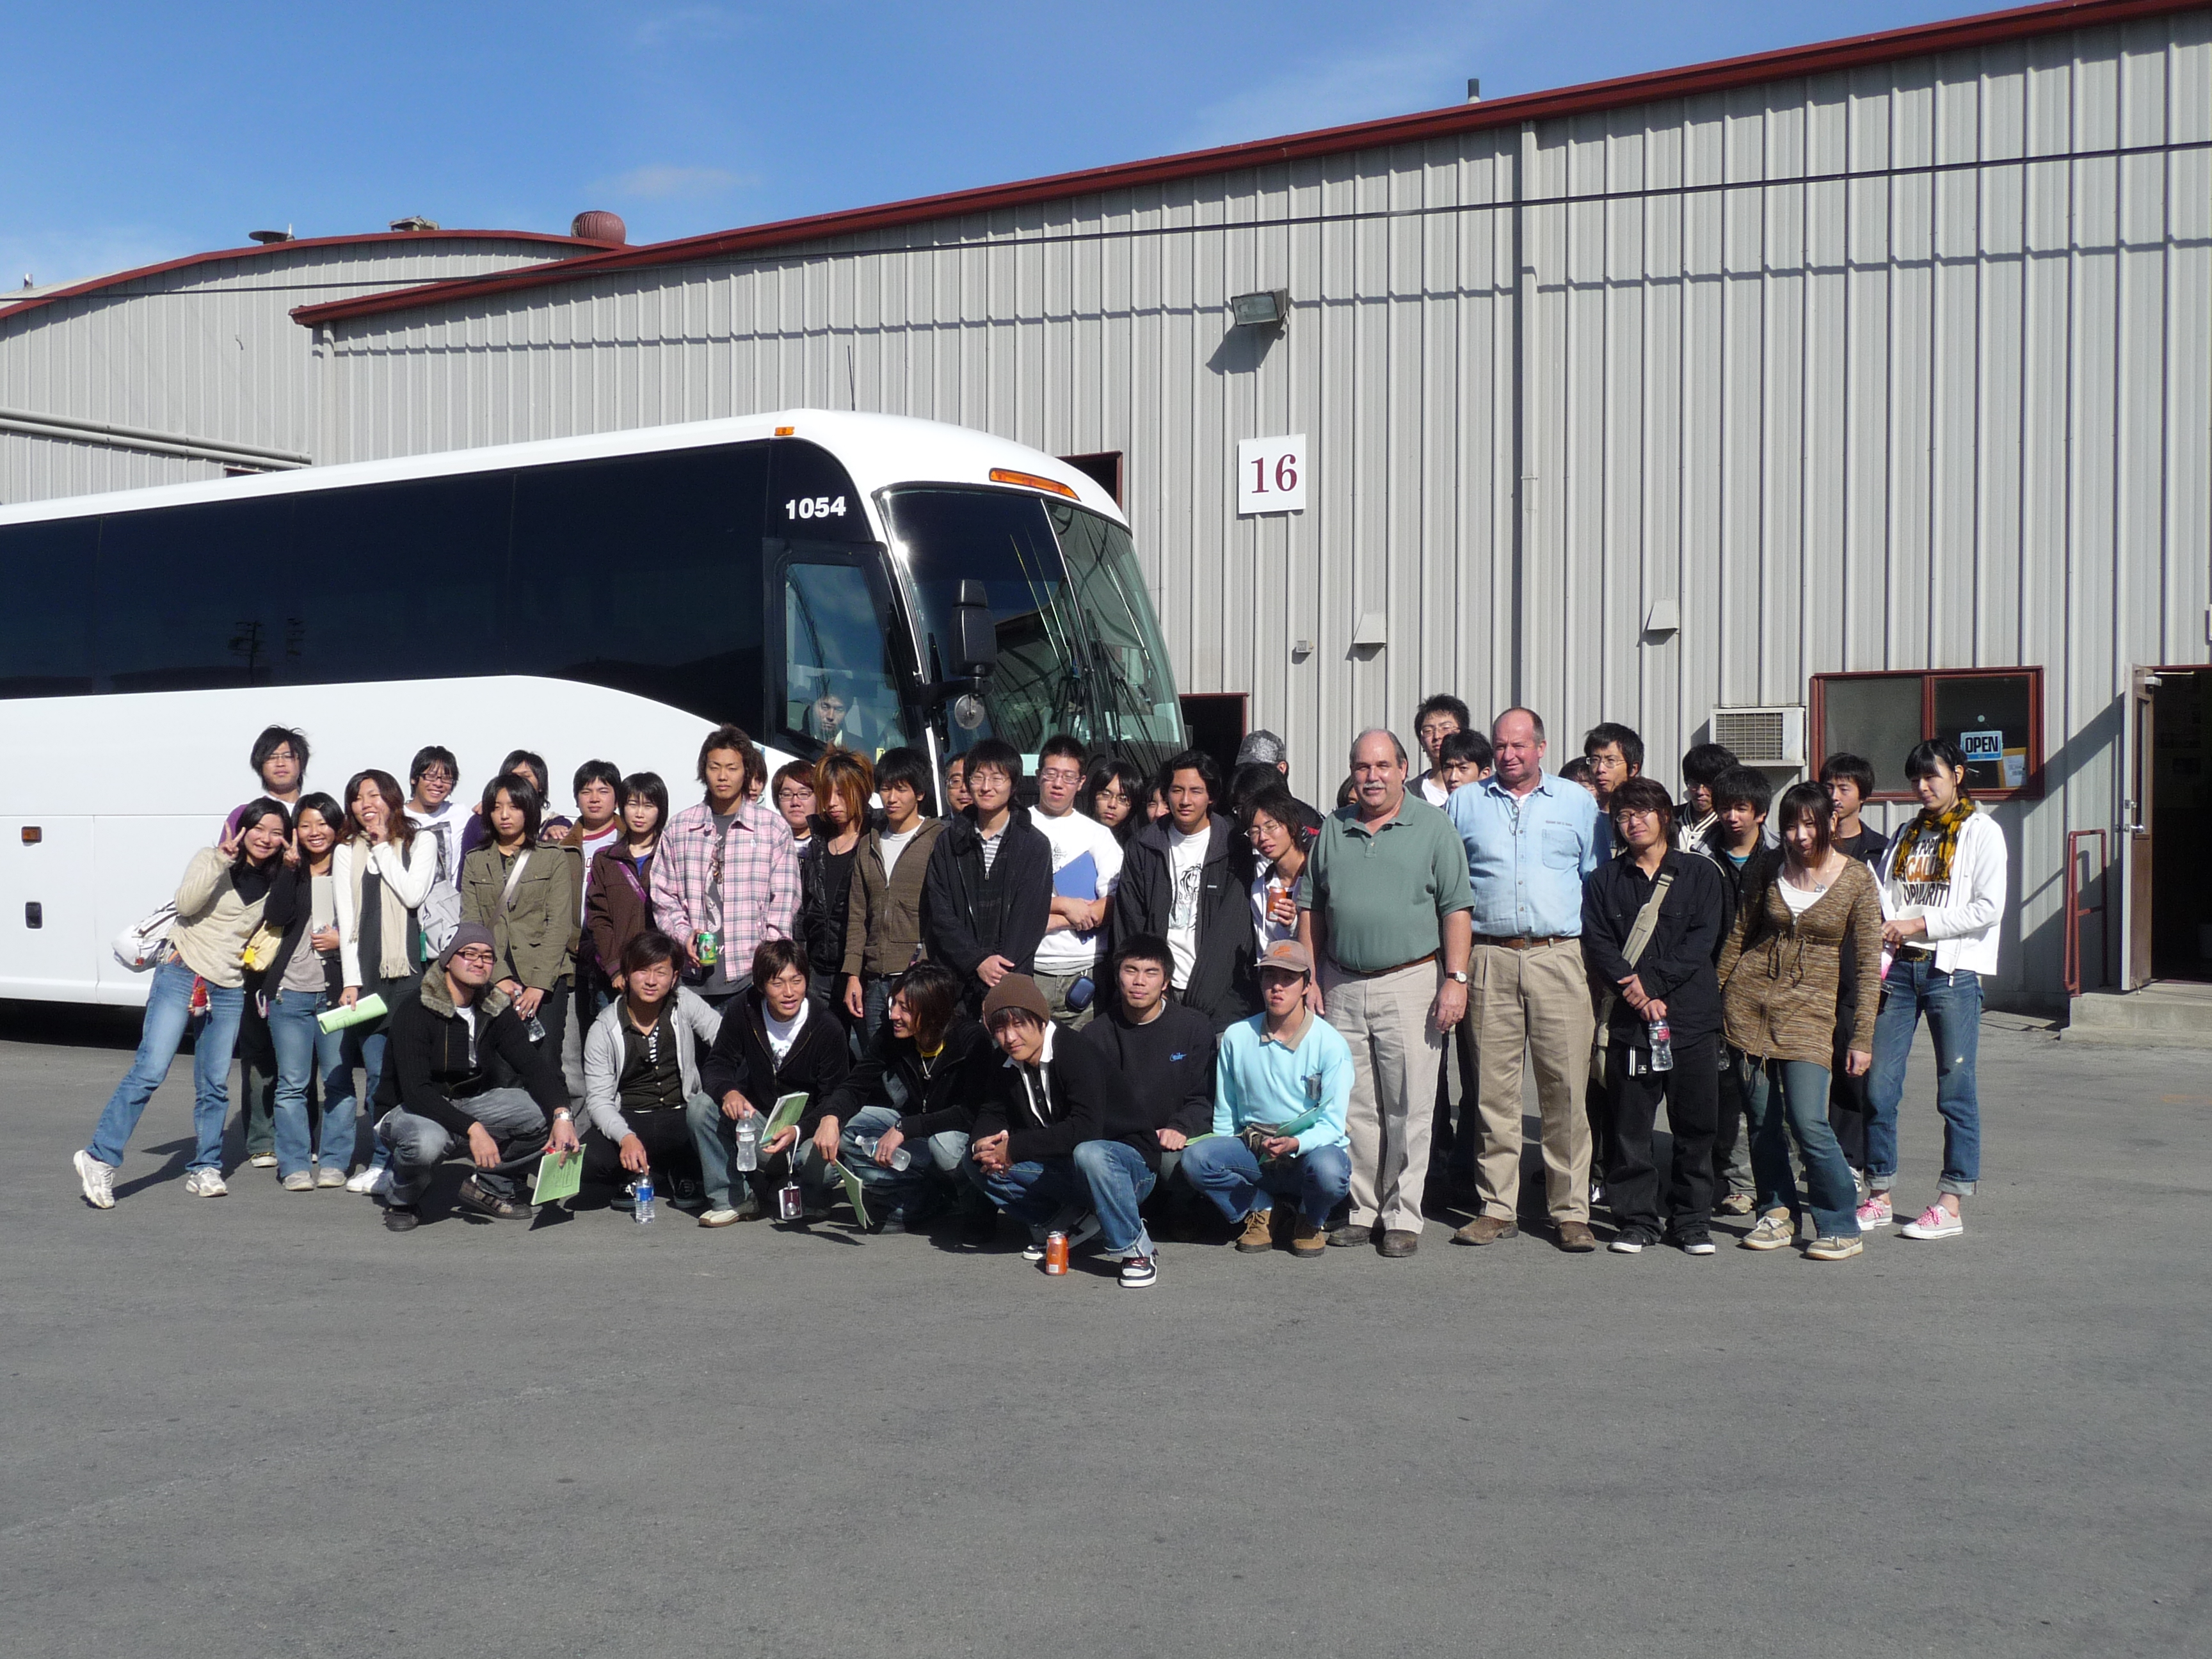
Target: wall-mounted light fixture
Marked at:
1270, 309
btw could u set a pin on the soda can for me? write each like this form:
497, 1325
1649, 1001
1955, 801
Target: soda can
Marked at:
710, 949
1055, 1253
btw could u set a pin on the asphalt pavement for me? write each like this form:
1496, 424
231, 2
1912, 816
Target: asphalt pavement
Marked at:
261, 1424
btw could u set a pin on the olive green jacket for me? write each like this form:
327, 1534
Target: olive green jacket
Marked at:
535, 935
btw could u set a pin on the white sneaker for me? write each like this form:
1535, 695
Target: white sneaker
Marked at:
377, 1183
1936, 1221
329, 1175
299, 1181
205, 1184
263, 1160
98, 1181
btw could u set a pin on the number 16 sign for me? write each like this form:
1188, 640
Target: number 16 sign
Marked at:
1271, 475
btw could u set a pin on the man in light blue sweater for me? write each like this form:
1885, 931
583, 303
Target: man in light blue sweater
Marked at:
1282, 1067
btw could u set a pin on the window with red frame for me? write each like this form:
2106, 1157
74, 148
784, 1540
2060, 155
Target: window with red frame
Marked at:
1994, 714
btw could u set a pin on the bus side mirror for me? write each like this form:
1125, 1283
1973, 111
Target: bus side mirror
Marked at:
974, 634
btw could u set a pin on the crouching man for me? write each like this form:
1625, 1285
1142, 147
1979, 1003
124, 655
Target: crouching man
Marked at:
1274, 1068
437, 1093
1163, 1053
1052, 1094
926, 1069
775, 1040
641, 1064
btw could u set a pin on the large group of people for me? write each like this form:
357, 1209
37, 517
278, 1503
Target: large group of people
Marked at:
1108, 1007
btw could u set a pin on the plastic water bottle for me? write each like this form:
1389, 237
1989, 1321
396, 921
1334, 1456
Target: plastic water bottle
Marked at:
900, 1160
748, 1143
535, 1031
641, 1192
1662, 1045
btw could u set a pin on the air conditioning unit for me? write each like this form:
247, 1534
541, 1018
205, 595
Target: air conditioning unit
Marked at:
1762, 737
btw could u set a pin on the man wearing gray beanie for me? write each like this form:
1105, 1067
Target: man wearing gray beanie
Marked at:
440, 1090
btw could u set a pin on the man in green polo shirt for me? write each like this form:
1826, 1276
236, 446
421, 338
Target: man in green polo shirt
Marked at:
1382, 906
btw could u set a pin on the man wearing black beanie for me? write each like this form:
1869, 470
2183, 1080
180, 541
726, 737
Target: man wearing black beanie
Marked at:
436, 1091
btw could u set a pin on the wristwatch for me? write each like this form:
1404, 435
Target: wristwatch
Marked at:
1457, 976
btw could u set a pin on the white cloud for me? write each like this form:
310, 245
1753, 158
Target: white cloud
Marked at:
661, 180
688, 23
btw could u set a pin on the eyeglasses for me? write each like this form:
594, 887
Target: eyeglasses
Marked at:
1060, 774
478, 955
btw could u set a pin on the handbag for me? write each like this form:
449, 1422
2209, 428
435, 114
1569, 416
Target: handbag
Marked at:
1640, 935
439, 913
140, 945
261, 950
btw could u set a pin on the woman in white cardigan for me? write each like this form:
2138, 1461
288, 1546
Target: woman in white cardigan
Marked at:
381, 873
1943, 902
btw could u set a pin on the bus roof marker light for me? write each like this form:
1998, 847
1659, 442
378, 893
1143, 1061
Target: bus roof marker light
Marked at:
1007, 475
785, 431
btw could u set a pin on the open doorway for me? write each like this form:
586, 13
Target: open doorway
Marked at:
2180, 798
1214, 722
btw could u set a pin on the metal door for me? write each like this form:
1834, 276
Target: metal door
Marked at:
2139, 737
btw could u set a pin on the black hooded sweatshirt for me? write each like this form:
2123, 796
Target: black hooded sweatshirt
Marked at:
1223, 986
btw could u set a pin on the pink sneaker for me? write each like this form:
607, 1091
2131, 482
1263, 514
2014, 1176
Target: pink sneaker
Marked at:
1935, 1222
1876, 1211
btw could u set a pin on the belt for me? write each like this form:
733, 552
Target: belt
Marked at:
1377, 973
1523, 941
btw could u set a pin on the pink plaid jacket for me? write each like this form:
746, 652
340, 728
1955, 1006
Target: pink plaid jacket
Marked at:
760, 881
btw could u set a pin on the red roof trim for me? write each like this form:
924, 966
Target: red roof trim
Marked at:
9, 309
1788, 64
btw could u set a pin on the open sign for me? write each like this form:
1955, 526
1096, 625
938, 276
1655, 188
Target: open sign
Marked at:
1982, 746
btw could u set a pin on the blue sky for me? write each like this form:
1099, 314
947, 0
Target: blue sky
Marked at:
140, 131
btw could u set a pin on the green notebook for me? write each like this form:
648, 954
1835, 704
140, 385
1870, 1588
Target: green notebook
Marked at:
786, 1113
853, 1193
559, 1175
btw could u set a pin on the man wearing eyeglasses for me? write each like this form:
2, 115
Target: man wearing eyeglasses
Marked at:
1086, 866
436, 1094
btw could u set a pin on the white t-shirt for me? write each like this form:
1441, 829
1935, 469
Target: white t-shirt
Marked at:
892, 847
782, 1034
445, 827
605, 838
1434, 790
1186, 870
1799, 899
1073, 838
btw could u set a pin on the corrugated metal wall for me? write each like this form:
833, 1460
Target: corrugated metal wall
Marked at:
208, 351
1902, 367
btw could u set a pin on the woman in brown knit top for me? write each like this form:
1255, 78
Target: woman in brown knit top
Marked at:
1781, 971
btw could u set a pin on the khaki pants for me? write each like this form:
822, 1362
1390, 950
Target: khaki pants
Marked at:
1537, 1000
1394, 1055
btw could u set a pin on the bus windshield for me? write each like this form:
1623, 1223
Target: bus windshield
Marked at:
1137, 703
1004, 541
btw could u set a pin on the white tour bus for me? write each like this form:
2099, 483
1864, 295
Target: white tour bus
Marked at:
603, 598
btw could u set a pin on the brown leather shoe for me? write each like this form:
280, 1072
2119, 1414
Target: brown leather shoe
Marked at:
1259, 1232
1574, 1236
1397, 1244
1487, 1229
1308, 1242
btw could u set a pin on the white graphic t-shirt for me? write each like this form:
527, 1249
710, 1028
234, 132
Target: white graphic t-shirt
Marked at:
1186, 869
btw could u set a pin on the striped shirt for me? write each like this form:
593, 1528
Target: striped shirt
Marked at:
758, 892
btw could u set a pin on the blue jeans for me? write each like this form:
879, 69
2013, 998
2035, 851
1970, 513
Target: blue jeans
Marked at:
1789, 1097
1953, 1003
418, 1144
1224, 1167
302, 1048
365, 1047
168, 1014
1119, 1179
1037, 1190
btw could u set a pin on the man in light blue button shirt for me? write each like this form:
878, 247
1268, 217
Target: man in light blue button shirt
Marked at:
1531, 838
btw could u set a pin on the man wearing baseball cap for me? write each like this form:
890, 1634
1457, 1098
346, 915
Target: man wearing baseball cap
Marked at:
1284, 1064
438, 1090
1055, 1093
